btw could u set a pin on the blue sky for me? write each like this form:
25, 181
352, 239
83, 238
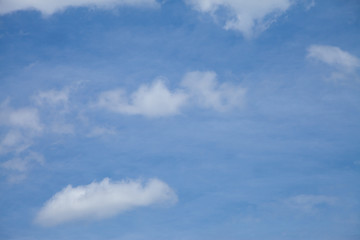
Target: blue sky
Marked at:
184, 120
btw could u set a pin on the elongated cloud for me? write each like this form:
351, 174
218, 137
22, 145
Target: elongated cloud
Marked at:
334, 56
104, 199
344, 63
48, 7
153, 100
247, 16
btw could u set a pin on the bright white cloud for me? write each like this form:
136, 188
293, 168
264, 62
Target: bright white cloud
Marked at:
334, 56
247, 16
205, 90
153, 100
48, 7
310, 202
103, 199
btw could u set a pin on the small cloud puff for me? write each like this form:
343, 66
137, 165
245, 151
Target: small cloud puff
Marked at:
104, 199
153, 100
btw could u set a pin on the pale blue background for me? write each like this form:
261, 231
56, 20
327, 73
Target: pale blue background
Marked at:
298, 133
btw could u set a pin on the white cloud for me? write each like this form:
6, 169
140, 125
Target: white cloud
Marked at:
334, 56
247, 16
48, 7
25, 118
197, 89
208, 93
153, 100
308, 203
104, 199
52, 97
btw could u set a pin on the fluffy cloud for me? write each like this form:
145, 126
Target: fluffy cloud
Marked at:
48, 7
247, 16
153, 100
103, 199
204, 89
334, 56
156, 100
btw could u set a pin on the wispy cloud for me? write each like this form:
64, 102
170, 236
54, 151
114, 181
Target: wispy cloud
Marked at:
205, 90
334, 56
48, 7
344, 62
17, 167
309, 203
100, 131
248, 17
52, 97
104, 199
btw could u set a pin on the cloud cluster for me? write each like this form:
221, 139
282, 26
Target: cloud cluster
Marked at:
156, 100
345, 63
104, 199
247, 16
48, 7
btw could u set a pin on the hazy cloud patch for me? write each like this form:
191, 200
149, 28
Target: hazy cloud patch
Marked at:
48, 7
206, 92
